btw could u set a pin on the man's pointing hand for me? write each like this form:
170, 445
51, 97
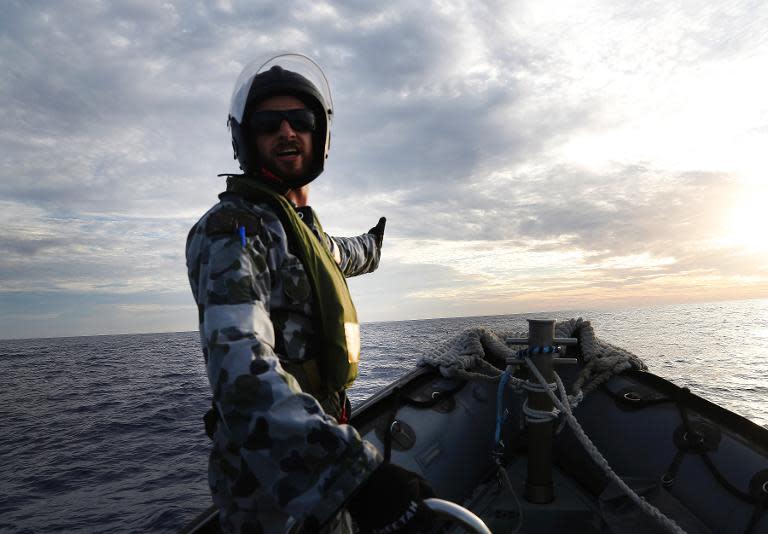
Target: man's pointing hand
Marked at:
378, 231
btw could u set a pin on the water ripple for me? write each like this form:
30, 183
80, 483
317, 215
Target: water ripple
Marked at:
105, 432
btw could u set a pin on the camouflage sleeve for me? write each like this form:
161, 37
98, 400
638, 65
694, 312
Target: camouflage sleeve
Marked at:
356, 255
278, 450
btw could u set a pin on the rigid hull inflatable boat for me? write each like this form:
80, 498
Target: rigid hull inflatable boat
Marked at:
557, 431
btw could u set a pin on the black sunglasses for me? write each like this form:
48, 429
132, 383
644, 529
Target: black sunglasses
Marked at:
268, 122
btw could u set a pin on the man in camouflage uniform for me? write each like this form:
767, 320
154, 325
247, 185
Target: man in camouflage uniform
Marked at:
282, 457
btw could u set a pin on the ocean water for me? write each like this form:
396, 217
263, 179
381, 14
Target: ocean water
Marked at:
104, 433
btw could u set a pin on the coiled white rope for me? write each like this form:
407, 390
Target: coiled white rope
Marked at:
476, 347
601, 361
533, 416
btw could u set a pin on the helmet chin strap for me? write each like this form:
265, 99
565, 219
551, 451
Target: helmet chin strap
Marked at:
271, 177
278, 182
272, 180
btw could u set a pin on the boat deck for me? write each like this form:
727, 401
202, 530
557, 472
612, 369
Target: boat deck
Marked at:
573, 509
444, 429
450, 443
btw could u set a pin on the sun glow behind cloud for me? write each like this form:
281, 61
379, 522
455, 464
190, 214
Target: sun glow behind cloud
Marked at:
746, 223
606, 153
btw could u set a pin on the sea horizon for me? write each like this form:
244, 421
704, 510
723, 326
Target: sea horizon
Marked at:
608, 309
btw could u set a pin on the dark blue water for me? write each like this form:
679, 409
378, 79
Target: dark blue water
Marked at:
105, 434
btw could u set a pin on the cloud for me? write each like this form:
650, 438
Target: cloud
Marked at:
100, 254
605, 143
625, 210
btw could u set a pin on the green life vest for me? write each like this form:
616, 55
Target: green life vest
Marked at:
336, 317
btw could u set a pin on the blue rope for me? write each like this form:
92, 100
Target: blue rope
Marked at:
506, 375
549, 349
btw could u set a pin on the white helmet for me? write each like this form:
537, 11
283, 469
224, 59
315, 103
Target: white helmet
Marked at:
284, 74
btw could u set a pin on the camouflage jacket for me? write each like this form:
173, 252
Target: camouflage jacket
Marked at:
278, 457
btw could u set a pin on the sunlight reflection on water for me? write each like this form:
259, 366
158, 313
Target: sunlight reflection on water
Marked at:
93, 423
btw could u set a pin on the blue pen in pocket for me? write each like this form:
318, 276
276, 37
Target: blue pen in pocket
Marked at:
241, 231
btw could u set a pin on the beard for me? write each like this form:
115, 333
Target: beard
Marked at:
290, 160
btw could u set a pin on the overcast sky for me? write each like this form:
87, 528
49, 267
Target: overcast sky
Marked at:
529, 155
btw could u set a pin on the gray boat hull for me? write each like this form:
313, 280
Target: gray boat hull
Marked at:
703, 466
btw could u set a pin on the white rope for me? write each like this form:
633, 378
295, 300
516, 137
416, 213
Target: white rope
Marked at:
538, 388
535, 416
601, 361
476, 348
599, 458
508, 483
473, 349
538, 416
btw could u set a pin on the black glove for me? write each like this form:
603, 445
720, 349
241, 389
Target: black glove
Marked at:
393, 497
378, 231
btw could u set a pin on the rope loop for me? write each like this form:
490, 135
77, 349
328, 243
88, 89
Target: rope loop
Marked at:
483, 351
535, 387
594, 453
539, 416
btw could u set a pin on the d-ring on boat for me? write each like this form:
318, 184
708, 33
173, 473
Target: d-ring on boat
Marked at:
555, 430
